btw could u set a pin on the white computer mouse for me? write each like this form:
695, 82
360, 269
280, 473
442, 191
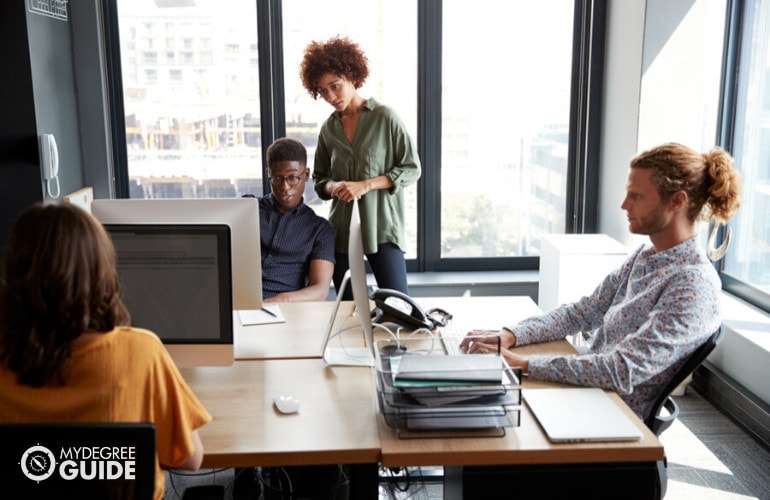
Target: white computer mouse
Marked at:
286, 404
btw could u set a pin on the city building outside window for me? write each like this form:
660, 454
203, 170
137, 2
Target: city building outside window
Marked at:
192, 108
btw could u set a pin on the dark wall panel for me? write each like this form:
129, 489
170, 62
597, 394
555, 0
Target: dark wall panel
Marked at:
19, 168
37, 95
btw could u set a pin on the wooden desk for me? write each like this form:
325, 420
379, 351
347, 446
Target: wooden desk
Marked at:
339, 421
338, 418
336, 423
524, 462
484, 312
525, 444
301, 336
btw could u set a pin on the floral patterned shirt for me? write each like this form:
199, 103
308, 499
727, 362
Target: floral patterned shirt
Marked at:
646, 318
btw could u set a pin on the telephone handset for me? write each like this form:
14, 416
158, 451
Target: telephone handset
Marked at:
49, 163
395, 306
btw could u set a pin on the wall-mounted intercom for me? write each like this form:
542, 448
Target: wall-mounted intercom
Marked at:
49, 164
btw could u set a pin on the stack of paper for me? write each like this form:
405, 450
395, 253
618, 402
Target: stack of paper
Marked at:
460, 368
447, 392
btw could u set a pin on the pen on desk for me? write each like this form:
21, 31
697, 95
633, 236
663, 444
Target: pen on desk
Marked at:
268, 311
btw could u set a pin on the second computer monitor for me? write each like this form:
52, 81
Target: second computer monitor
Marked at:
241, 214
208, 340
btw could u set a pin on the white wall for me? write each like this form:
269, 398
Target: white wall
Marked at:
662, 80
744, 353
622, 86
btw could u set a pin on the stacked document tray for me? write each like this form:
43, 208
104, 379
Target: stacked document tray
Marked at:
425, 394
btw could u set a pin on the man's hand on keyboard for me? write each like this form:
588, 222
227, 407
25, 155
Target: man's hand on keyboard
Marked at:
487, 341
476, 343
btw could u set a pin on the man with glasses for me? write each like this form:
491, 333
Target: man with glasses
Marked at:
297, 248
297, 245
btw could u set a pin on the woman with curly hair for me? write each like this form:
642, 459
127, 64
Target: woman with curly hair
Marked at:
648, 316
364, 153
67, 352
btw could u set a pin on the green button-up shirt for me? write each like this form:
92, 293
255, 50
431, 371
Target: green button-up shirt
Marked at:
381, 146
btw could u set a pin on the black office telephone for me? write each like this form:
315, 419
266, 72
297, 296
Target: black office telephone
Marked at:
397, 307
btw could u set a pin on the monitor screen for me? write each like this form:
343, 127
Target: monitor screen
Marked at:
241, 214
176, 281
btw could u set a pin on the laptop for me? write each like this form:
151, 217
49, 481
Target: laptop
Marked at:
579, 414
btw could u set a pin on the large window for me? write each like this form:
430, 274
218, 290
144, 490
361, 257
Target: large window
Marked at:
504, 125
191, 98
747, 264
486, 90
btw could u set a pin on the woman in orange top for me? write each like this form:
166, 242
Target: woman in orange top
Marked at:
67, 352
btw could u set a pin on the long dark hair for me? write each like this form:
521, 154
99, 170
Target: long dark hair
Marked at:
58, 281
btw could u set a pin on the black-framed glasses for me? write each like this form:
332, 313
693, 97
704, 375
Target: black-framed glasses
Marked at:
292, 180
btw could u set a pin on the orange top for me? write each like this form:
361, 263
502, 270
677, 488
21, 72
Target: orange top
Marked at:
124, 375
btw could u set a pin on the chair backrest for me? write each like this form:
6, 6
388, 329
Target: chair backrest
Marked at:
79, 460
689, 366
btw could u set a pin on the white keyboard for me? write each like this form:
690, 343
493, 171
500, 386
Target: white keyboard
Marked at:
451, 337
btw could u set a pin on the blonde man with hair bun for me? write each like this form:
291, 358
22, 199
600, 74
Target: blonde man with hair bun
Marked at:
649, 315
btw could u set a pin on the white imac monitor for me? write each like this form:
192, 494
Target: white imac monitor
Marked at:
241, 216
356, 278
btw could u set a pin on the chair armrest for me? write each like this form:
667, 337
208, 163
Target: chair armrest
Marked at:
663, 422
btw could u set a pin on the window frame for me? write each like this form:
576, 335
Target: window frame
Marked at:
735, 24
581, 212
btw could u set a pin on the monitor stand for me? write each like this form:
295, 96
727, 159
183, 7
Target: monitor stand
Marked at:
346, 356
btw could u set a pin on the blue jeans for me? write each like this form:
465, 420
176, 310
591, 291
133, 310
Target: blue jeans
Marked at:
388, 266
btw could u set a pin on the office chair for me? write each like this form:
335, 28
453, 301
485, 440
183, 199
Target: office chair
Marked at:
106, 461
658, 422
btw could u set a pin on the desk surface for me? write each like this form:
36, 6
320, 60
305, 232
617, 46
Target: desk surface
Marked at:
484, 312
301, 336
336, 422
339, 421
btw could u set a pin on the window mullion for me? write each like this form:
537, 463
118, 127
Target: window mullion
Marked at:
429, 134
585, 116
271, 81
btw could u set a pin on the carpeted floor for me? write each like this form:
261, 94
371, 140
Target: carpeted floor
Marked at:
709, 458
